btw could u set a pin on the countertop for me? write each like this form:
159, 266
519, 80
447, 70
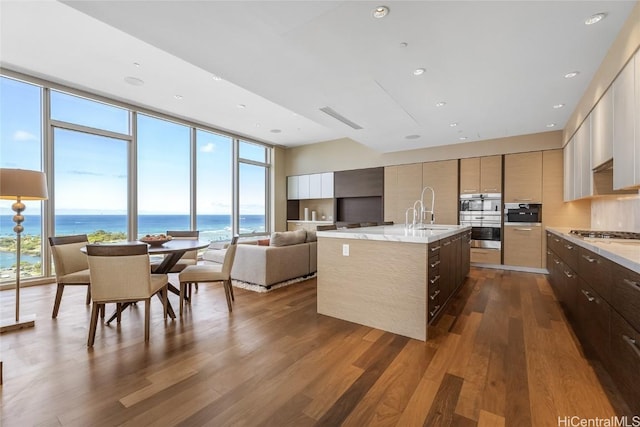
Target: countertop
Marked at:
626, 254
396, 233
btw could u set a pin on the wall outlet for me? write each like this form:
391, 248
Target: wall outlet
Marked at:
345, 250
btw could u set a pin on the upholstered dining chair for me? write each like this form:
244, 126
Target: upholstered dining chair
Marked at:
353, 225
71, 265
326, 227
206, 273
121, 274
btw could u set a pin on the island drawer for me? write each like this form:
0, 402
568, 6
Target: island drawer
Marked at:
625, 295
434, 249
434, 305
596, 271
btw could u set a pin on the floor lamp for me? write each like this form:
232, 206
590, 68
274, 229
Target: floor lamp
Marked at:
19, 185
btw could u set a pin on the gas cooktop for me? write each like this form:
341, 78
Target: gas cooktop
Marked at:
625, 235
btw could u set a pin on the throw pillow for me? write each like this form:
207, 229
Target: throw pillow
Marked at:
263, 242
288, 238
311, 236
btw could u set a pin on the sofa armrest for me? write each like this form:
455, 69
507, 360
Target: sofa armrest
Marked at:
267, 265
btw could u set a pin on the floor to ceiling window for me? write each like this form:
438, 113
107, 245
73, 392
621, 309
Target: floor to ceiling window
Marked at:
20, 148
253, 180
163, 153
90, 186
214, 186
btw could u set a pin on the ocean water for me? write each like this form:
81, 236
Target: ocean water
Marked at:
212, 227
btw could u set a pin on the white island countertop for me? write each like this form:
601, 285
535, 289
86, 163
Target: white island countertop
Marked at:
625, 253
396, 233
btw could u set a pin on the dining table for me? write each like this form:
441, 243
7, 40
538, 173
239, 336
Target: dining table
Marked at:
172, 250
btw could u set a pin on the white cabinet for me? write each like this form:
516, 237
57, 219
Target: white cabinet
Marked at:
636, 116
292, 187
303, 187
602, 130
327, 185
624, 118
568, 171
582, 161
315, 186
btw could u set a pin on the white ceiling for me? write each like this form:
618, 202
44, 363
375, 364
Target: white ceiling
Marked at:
499, 66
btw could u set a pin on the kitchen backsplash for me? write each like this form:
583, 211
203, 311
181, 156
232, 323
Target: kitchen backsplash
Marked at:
620, 213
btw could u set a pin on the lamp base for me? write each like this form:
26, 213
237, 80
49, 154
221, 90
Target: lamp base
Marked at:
27, 322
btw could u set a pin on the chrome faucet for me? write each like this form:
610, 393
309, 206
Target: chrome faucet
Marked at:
423, 210
406, 218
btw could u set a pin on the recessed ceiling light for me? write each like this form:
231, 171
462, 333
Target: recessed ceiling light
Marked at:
412, 136
177, 96
136, 64
441, 104
418, 71
241, 106
216, 78
463, 138
571, 74
551, 125
275, 131
558, 106
257, 125
380, 12
404, 44
595, 18
453, 125
134, 81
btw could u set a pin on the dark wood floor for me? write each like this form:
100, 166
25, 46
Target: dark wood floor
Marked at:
502, 355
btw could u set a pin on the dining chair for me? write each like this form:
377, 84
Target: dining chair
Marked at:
121, 274
71, 265
368, 224
206, 273
326, 227
353, 225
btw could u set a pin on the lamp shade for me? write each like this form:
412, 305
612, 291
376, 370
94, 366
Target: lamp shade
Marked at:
26, 184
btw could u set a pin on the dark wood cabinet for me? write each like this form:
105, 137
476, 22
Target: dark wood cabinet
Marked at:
359, 183
434, 303
602, 302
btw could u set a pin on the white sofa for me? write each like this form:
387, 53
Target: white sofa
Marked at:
289, 255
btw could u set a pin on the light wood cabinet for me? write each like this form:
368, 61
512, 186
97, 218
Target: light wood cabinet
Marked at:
523, 245
624, 118
485, 255
602, 130
481, 175
523, 177
391, 193
442, 176
402, 187
470, 175
491, 174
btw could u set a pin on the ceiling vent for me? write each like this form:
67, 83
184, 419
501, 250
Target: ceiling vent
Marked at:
333, 113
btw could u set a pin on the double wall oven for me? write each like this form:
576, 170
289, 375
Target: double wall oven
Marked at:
483, 212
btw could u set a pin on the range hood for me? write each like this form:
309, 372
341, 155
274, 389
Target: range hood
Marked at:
603, 181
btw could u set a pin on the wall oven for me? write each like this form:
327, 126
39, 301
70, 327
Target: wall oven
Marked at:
483, 213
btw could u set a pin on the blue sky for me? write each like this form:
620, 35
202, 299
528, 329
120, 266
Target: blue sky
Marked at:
91, 171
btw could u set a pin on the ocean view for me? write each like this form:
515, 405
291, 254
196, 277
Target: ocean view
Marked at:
212, 227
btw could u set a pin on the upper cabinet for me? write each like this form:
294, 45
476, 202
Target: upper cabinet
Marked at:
314, 186
582, 175
402, 187
602, 130
569, 187
624, 121
442, 176
523, 177
481, 175
637, 119
359, 183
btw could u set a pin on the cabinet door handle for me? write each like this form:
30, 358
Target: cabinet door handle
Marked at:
556, 240
631, 283
557, 261
523, 229
588, 295
435, 310
447, 243
435, 294
632, 343
524, 200
588, 258
469, 191
568, 247
489, 189
435, 279
548, 252
569, 275
434, 264
437, 248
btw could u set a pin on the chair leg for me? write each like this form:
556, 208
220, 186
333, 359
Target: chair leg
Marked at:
183, 290
147, 316
165, 301
94, 322
118, 312
233, 297
226, 293
88, 300
56, 303
102, 306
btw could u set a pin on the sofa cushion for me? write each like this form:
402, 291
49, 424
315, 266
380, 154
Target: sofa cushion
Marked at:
288, 238
311, 236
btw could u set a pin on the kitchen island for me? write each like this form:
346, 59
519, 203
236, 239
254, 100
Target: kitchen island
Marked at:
389, 277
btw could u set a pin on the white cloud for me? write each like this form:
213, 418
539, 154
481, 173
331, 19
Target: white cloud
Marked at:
209, 148
23, 135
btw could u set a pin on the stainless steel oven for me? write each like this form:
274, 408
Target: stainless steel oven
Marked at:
483, 212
